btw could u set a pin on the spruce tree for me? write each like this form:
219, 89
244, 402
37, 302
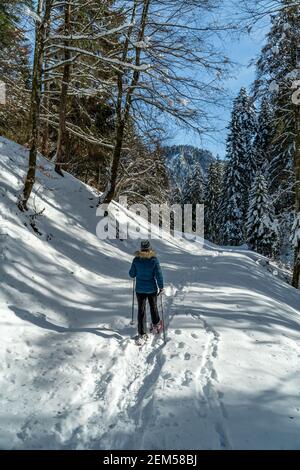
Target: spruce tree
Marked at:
239, 169
247, 127
193, 188
212, 201
232, 220
262, 146
261, 226
276, 72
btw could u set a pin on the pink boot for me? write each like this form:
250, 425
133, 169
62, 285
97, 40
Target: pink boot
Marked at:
157, 329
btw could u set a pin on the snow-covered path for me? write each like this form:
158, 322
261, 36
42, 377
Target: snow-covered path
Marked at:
228, 377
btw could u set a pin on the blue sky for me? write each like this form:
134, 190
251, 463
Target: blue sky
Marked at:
240, 51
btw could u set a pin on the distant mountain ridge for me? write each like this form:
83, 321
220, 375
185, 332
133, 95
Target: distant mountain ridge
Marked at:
180, 160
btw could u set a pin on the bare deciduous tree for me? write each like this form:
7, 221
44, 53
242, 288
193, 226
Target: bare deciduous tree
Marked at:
43, 14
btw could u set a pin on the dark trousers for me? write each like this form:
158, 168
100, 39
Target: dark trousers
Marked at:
152, 299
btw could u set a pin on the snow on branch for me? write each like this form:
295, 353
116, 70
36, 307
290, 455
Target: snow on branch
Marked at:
90, 37
117, 62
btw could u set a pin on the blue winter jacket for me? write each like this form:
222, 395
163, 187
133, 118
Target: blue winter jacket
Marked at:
147, 271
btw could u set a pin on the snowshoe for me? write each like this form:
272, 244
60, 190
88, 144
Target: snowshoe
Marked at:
157, 329
141, 339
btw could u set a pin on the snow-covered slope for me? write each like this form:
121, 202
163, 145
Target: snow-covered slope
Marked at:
71, 377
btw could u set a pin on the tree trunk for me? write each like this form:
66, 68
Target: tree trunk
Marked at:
111, 188
62, 132
45, 148
99, 176
122, 116
35, 100
296, 271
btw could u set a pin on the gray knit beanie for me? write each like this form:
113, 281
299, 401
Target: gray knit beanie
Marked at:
145, 245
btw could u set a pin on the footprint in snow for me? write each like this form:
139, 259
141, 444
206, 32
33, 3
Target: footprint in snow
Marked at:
188, 378
68, 351
181, 345
177, 332
187, 356
168, 376
194, 335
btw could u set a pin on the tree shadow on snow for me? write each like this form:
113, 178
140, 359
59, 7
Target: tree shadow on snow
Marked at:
40, 320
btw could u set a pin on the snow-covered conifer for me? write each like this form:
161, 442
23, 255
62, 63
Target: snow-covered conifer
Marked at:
261, 224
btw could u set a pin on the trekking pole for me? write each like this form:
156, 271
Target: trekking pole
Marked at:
132, 311
162, 317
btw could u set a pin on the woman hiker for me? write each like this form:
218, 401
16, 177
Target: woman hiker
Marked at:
147, 271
